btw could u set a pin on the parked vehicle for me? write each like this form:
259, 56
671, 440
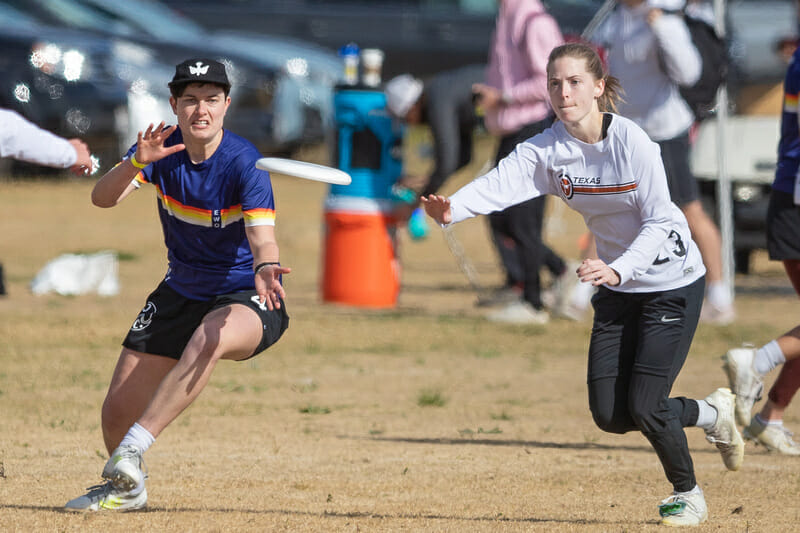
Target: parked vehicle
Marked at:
418, 36
755, 29
301, 92
254, 84
75, 84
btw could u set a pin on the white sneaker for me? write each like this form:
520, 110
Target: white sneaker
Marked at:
581, 297
125, 468
719, 316
776, 438
744, 381
519, 313
106, 498
565, 301
724, 434
501, 296
684, 509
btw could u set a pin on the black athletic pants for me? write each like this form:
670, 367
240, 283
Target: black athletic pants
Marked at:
639, 344
517, 230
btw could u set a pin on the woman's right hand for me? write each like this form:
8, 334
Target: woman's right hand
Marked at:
150, 144
438, 208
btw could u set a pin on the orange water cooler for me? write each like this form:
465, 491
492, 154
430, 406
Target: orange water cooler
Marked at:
360, 264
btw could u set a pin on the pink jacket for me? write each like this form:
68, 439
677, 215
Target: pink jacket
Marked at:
523, 38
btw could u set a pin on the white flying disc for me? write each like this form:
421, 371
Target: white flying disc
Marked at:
305, 170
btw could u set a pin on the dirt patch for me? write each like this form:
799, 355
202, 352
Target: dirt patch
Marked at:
419, 418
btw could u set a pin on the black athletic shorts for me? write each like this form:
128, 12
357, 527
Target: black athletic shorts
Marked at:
683, 187
783, 227
169, 319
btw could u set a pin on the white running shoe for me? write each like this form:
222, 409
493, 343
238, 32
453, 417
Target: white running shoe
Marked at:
684, 509
106, 498
776, 438
717, 315
501, 296
125, 468
519, 313
724, 434
557, 297
744, 381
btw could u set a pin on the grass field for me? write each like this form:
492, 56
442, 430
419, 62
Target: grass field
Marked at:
424, 417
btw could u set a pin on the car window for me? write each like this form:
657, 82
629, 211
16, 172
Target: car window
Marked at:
70, 13
13, 18
60, 12
150, 18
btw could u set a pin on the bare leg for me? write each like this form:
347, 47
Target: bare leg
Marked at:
788, 381
772, 411
231, 332
790, 343
133, 384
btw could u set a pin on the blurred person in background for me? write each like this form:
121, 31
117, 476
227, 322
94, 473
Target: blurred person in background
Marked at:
746, 367
649, 49
648, 271
445, 104
22, 140
516, 107
221, 297
702, 10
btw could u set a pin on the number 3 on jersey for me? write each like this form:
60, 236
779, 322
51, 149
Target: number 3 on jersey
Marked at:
678, 249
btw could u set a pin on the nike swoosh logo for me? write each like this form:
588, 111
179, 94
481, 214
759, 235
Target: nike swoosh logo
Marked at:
665, 319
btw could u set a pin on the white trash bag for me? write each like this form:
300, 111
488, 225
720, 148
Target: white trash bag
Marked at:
71, 274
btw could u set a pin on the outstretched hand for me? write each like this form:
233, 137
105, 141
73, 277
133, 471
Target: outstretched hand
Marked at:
84, 164
438, 208
268, 285
150, 144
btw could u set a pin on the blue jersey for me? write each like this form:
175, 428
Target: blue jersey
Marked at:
789, 146
204, 209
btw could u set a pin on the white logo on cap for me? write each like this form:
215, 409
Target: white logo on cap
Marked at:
199, 69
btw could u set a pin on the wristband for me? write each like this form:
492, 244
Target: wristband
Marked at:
135, 163
403, 194
260, 266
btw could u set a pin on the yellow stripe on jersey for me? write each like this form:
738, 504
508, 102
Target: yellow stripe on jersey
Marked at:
259, 217
198, 216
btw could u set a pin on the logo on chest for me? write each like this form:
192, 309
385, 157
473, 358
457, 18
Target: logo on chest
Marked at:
572, 185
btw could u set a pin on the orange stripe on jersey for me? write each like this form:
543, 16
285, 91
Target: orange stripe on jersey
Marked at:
259, 217
790, 103
195, 215
604, 189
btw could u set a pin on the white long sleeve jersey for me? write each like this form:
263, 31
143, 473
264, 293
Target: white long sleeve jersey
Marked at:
617, 184
25, 141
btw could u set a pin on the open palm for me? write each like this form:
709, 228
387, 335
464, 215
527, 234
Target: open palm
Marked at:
150, 144
438, 208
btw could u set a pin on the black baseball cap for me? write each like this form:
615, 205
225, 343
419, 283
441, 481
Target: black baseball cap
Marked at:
200, 71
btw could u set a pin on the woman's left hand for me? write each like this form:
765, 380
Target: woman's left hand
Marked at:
268, 285
598, 273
